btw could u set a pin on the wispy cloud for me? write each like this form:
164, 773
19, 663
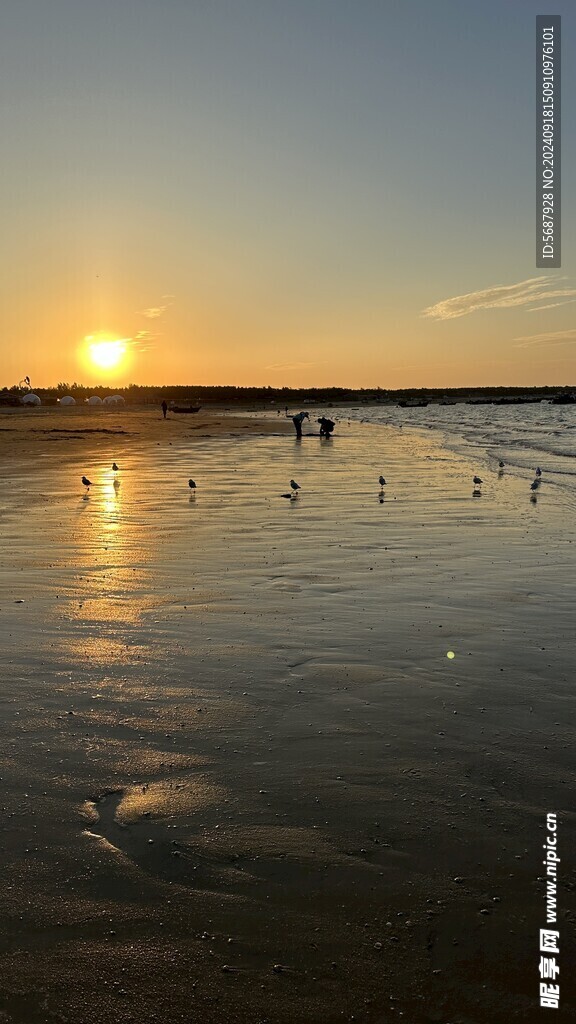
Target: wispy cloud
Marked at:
153, 312
290, 366
534, 289
550, 338
550, 305
142, 341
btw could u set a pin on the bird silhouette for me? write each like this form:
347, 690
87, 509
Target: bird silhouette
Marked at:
535, 485
192, 485
381, 481
538, 471
115, 467
501, 464
294, 485
477, 480
86, 481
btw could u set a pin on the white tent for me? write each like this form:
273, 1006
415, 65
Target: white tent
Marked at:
94, 400
67, 400
113, 400
31, 399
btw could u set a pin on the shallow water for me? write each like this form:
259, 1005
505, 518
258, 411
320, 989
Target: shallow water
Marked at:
523, 436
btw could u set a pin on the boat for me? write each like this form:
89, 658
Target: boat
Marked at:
185, 408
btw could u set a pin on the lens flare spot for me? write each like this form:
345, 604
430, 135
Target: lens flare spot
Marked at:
450, 654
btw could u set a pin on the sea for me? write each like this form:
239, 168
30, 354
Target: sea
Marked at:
522, 436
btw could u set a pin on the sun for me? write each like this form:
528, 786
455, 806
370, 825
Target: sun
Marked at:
106, 353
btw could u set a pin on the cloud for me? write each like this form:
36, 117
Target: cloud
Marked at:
153, 312
550, 338
143, 341
550, 305
534, 289
290, 366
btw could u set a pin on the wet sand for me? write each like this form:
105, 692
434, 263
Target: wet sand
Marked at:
242, 780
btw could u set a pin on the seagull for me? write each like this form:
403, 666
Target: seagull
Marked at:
381, 481
477, 480
86, 481
538, 471
294, 485
192, 485
115, 467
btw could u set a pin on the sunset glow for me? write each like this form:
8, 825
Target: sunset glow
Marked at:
319, 230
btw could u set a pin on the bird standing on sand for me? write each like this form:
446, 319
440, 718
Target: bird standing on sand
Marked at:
295, 487
381, 481
477, 480
501, 464
538, 471
535, 485
192, 485
115, 467
86, 481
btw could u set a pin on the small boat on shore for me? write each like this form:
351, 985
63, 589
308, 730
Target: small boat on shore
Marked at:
186, 408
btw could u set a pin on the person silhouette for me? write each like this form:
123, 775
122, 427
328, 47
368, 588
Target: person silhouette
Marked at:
326, 426
164, 408
297, 421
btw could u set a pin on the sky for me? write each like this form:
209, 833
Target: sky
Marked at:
280, 192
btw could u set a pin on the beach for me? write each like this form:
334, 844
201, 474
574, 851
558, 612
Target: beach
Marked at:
268, 760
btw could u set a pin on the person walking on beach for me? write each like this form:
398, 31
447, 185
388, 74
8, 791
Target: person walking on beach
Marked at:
297, 421
164, 408
326, 426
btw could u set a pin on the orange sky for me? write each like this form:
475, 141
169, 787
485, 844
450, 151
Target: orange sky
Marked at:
246, 197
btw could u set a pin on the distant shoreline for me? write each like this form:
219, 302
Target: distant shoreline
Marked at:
234, 399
